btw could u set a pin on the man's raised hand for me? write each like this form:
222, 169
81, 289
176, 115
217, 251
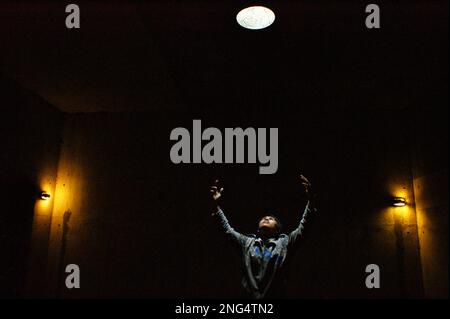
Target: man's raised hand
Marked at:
306, 185
216, 191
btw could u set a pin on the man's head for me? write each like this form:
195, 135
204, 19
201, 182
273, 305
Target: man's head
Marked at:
269, 226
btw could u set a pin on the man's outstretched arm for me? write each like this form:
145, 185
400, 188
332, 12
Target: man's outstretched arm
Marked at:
237, 237
234, 235
298, 232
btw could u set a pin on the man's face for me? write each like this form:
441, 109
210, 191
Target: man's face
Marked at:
268, 222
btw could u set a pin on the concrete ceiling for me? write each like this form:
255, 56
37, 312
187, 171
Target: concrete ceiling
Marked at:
174, 55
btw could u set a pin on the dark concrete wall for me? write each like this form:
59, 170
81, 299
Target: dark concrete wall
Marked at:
429, 127
30, 130
140, 225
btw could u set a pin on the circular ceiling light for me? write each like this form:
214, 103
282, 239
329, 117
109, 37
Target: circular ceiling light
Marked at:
255, 18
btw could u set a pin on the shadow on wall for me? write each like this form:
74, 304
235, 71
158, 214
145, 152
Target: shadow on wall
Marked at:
15, 231
429, 130
30, 131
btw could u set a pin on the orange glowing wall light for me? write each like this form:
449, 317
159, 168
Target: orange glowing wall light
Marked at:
398, 201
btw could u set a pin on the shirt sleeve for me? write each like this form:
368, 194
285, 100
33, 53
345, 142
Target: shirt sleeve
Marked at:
231, 233
298, 232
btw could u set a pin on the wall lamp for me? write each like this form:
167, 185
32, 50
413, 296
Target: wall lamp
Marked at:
398, 201
44, 195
